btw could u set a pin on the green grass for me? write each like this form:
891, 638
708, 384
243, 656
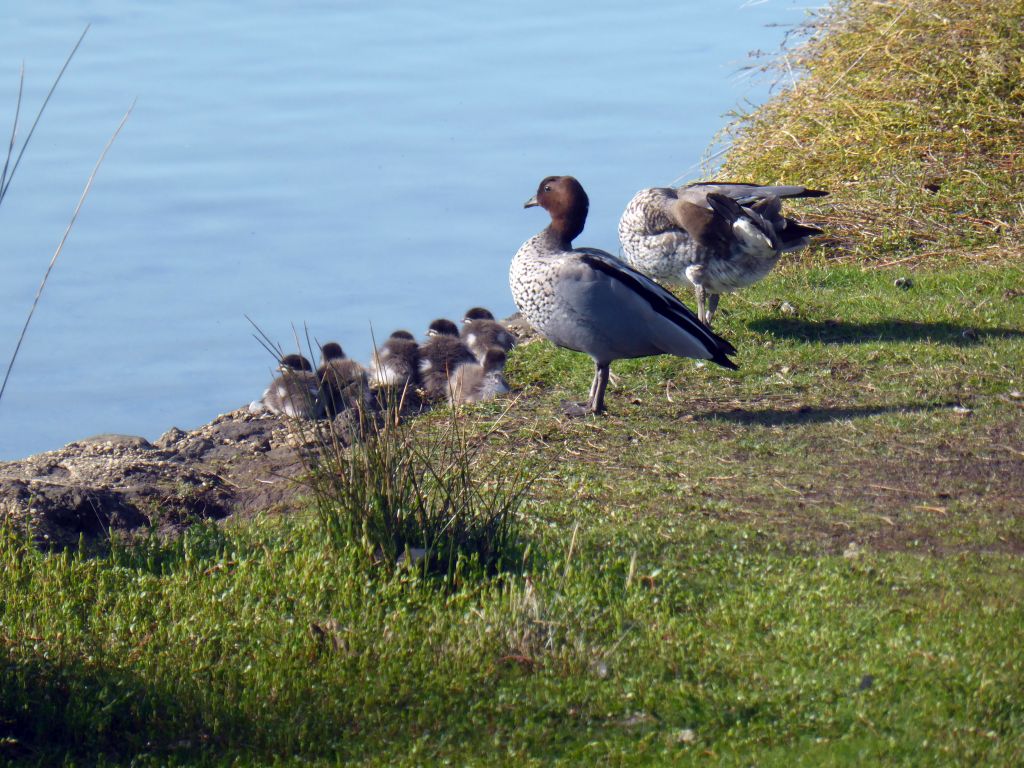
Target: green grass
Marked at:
815, 560
816, 566
269, 644
875, 413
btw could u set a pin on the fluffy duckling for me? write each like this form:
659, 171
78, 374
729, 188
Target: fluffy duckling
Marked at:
440, 356
295, 393
481, 331
587, 300
719, 237
343, 382
476, 382
396, 363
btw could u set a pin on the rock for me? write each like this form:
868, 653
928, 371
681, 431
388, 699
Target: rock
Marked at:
239, 464
60, 515
169, 438
416, 555
635, 719
519, 327
787, 309
125, 484
117, 441
903, 283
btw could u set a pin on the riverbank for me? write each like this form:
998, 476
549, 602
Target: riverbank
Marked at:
910, 114
814, 561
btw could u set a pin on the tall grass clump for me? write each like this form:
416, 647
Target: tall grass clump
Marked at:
428, 497
911, 113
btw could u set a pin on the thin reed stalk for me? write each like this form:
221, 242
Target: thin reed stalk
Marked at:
60, 246
6, 178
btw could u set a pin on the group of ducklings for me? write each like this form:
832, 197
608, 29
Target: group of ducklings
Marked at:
460, 367
717, 236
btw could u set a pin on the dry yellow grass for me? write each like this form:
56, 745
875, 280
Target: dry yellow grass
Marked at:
912, 113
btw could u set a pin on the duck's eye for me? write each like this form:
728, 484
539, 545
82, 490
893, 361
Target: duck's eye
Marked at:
547, 187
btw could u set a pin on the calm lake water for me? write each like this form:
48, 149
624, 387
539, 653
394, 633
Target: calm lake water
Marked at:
341, 165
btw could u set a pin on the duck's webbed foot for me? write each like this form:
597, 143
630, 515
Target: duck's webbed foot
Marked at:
576, 410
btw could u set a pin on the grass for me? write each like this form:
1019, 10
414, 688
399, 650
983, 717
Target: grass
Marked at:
911, 112
671, 645
819, 565
402, 497
875, 414
814, 561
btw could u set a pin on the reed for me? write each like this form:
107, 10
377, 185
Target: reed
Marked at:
425, 498
7, 177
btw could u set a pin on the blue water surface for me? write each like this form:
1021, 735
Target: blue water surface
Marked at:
337, 165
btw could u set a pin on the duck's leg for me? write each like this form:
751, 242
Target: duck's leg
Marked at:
595, 400
712, 306
596, 404
593, 385
701, 315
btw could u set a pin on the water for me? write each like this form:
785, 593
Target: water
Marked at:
343, 165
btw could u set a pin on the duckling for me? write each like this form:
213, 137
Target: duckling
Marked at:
396, 362
476, 382
587, 300
481, 331
720, 237
440, 356
295, 393
343, 382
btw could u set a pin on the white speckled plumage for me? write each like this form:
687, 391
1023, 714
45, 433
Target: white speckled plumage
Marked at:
587, 300
718, 236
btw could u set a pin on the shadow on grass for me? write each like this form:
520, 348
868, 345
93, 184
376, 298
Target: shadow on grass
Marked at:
78, 712
842, 332
805, 414
52, 710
